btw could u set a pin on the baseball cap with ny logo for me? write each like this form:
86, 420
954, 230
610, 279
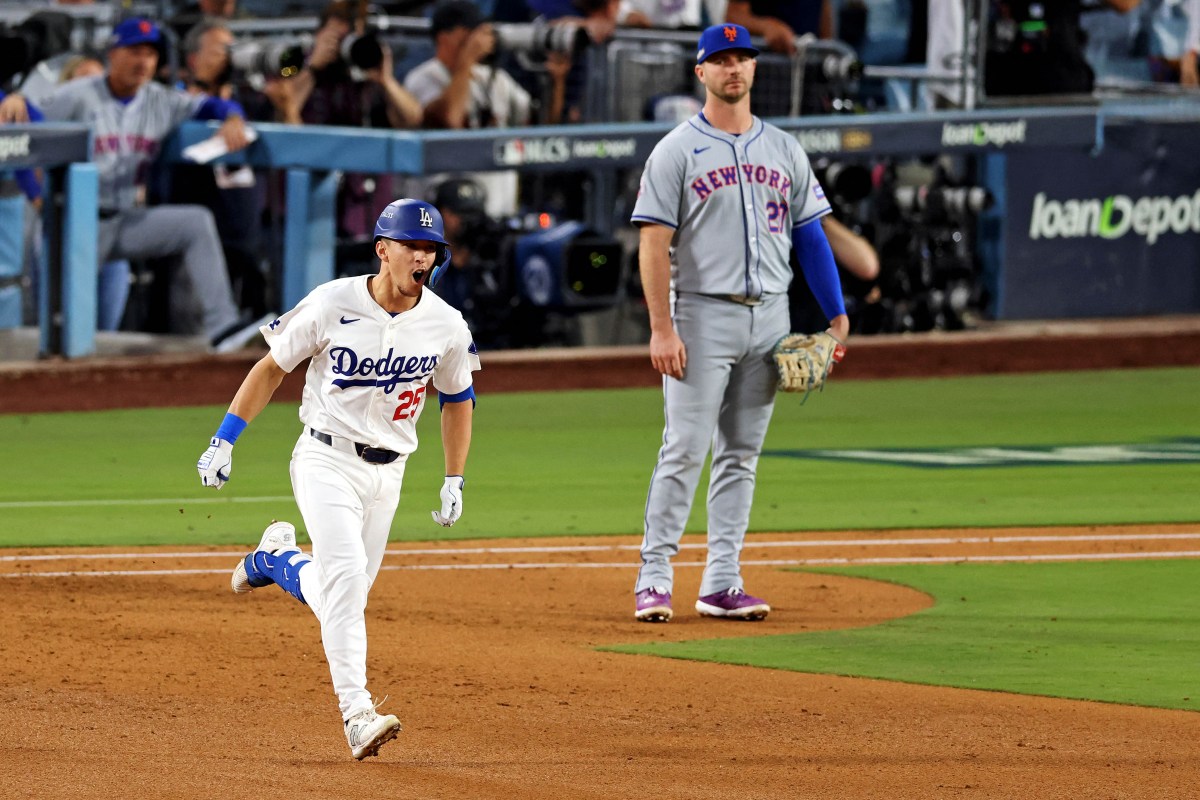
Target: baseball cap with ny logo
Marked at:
725, 36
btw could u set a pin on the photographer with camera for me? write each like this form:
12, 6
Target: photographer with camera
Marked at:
325, 91
461, 87
347, 78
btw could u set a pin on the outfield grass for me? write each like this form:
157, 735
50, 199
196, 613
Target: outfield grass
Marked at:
557, 463
1120, 632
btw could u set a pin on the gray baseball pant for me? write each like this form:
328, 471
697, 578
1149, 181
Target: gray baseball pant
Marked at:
201, 297
724, 401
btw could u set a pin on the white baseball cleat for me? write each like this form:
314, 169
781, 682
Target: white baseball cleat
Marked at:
277, 536
367, 731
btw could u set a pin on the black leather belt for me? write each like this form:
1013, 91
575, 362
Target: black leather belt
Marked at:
108, 213
371, 455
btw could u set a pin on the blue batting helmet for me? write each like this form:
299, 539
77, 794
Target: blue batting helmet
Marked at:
409, 220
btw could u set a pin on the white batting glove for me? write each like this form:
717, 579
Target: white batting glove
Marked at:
451, 501
216, 463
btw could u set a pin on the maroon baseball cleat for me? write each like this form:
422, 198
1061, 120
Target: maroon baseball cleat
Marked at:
733, 604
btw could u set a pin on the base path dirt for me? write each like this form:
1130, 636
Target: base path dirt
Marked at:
140, 674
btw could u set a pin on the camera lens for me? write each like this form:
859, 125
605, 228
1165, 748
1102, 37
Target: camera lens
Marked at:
291, 61
366, 52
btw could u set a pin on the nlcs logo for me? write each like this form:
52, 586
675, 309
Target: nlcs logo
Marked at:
426, 220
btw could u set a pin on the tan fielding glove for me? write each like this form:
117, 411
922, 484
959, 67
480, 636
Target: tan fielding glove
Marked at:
805, 362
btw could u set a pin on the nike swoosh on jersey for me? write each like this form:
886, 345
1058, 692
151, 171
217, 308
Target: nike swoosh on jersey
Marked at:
698, 150
348, 321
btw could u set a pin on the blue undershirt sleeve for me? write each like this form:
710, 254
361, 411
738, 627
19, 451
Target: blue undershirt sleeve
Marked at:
216, 108
27, 179
820, 270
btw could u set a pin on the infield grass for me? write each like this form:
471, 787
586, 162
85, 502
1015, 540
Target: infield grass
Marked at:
1117, 631
574, 463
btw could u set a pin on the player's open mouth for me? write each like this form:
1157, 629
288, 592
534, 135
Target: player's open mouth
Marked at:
419, 275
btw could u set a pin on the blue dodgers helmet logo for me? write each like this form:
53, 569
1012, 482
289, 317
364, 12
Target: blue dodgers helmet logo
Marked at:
426, 219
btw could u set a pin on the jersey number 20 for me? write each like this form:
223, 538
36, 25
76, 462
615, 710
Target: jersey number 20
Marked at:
410, 402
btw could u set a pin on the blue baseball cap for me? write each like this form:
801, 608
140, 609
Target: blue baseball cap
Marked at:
134, 30
725, 36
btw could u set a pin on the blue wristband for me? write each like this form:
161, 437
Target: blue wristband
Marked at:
231, 428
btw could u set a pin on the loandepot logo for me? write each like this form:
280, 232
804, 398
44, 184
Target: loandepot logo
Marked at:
1173, 452
1114, 216
14, 146
982, 134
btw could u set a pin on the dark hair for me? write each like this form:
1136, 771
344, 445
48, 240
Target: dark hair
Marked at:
450, 14
588, 6
345, 10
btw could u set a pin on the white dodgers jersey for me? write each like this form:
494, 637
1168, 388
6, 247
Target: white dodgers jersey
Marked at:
370, 371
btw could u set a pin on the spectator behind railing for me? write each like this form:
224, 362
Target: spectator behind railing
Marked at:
230, 193
192, 13
460, 87
112, 288
1189, 75
328, 91
1037, 48
130, 116
672, 14
781, 21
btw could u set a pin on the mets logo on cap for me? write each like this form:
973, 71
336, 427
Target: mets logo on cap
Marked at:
726, 36
134, 31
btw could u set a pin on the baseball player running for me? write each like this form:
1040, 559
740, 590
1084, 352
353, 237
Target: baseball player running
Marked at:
723, 199
375, 343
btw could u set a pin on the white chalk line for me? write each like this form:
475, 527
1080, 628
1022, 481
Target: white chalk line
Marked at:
596, 548
162, 501
800, 562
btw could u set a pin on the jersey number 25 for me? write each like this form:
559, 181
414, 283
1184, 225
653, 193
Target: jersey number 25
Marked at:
410, 402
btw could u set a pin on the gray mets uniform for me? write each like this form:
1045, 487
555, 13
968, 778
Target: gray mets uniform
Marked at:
126, 139
366, 385
733, 202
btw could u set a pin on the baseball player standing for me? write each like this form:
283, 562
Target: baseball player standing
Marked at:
375, 344
723, 199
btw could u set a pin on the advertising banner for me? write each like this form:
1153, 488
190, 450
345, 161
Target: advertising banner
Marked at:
1115, 234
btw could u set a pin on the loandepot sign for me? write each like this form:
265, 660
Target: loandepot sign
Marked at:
1180, 451
1114, 217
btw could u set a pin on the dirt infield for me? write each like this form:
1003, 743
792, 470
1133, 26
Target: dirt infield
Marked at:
139, 674
154, 683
